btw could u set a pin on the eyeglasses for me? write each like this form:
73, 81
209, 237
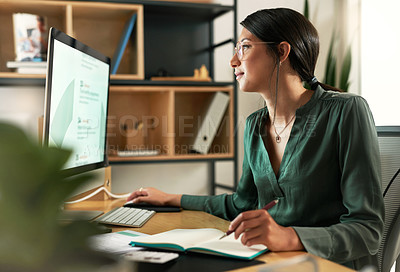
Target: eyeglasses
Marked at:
242, 47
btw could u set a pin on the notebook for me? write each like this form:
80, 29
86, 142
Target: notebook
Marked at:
202, 241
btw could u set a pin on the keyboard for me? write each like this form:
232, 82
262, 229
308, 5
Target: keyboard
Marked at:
122, 216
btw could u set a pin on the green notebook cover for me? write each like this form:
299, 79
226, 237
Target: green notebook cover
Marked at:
202, 241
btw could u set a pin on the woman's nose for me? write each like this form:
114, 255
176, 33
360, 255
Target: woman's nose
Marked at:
235, 62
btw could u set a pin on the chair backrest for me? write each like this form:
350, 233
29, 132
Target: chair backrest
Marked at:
389, 145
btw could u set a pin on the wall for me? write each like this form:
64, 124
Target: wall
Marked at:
22, 105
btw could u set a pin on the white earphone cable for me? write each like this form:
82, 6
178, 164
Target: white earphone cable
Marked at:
95, 193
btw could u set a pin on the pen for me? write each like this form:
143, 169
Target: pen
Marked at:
266, 207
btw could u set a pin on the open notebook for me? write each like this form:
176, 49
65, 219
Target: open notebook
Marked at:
200, 240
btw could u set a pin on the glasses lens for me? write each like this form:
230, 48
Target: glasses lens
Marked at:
238, 50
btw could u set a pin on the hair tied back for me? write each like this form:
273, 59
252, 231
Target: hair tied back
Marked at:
313, 83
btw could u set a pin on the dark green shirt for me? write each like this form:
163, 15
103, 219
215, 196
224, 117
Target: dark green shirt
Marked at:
328, 184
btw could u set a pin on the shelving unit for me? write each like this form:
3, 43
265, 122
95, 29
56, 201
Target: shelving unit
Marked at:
169, 117
169, 39
81, 20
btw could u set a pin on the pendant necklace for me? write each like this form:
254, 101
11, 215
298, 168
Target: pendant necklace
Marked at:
278, 137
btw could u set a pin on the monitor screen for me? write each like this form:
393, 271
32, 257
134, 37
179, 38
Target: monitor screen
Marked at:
76, 102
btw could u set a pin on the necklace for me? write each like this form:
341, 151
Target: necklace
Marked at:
278, 135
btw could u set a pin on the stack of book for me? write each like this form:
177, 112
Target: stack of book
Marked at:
28, 67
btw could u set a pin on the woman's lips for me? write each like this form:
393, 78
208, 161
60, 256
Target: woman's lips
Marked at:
239, 75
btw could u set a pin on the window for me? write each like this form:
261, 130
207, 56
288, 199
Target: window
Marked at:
380, 59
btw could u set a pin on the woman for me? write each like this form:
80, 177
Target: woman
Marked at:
314, 150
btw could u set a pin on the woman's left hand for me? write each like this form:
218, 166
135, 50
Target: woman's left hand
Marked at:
258, 227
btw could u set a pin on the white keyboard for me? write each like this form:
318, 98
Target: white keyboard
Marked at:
151, 256
130, 217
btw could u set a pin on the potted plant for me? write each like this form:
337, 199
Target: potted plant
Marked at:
330, 76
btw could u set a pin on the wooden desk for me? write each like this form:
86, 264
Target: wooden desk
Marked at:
161, 222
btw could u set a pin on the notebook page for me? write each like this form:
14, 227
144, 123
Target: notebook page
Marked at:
183, 237
228, 246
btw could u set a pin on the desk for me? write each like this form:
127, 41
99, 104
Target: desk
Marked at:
161, 222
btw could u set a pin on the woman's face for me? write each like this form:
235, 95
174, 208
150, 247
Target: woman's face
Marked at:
256, 66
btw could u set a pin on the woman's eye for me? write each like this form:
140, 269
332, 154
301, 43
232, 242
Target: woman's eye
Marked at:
246, 46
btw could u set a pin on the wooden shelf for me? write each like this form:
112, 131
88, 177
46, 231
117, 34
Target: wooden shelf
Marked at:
159, 158
192, 9
21, 76
10, 79
81, 20
168, 117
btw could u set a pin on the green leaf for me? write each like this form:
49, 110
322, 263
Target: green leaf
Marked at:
331, 61
330, 68
306, 12
345, 71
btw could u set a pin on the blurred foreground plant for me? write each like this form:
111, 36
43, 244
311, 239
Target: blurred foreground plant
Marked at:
32, 190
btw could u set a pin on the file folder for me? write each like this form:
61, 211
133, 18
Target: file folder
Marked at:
211, 123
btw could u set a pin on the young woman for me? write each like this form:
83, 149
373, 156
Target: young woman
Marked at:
313, 149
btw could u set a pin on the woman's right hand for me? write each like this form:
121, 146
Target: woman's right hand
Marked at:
155, 197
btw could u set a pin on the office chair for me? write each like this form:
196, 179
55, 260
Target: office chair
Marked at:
389, 145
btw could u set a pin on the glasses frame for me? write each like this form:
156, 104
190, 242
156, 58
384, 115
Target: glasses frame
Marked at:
239, 47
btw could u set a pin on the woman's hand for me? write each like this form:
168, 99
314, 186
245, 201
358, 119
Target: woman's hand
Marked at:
155, 197
258, 227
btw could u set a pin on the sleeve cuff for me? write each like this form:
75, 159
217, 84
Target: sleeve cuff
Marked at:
317, 241
196, 203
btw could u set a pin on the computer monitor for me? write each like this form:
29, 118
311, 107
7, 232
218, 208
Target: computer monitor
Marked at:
76, 102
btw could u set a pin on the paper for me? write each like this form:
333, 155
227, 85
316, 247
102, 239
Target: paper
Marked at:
116, 242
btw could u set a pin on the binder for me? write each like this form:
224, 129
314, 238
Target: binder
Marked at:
122, 44
211, 123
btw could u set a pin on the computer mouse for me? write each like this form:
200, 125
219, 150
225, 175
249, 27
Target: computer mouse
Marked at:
131, 204
151, 207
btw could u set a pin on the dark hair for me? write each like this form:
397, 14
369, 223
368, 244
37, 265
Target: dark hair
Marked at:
283, 24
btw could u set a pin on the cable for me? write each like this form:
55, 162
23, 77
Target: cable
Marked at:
391, 181
95, 193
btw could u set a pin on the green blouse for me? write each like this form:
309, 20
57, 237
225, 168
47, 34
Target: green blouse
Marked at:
328, 183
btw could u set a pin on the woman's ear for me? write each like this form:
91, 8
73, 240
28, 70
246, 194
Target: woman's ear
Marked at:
284, 50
